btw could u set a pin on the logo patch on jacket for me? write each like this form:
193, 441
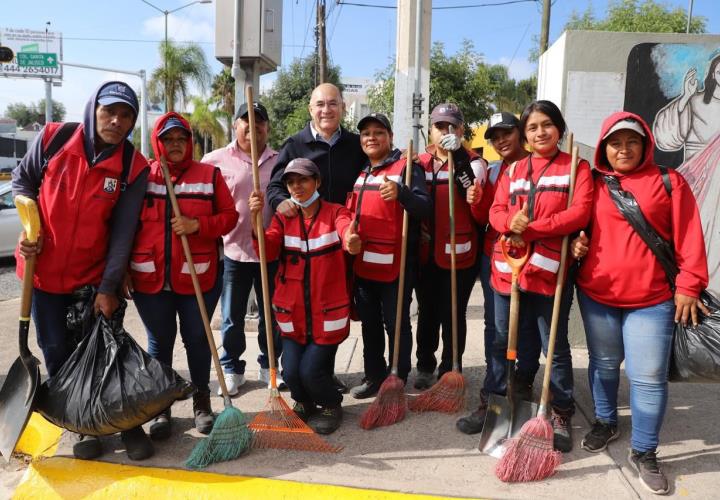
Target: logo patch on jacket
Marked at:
110, 185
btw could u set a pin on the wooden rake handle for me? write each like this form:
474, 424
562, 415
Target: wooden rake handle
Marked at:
453, 258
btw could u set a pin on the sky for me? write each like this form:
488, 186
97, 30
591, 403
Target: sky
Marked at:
361, 40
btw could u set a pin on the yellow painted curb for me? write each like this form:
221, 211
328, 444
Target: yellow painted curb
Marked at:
63, 478
40, 438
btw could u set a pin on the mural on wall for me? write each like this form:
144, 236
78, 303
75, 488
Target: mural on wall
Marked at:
676, 88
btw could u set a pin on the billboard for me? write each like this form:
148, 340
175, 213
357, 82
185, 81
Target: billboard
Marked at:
37, 53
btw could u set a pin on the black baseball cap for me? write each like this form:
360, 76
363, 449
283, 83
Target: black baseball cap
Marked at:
301, 166
375, 117
447, 112
260, 111
118, 92
501, 120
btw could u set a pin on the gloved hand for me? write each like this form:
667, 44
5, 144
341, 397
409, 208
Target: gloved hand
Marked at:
450, 142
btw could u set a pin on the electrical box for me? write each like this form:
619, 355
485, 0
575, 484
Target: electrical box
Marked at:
260, 32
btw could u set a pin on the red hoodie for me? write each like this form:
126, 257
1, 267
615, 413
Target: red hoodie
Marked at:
619, 269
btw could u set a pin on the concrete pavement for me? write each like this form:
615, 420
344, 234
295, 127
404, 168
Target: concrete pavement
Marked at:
423, 454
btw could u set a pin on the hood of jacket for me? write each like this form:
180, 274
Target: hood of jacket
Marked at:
601, 161
91, 133
159, 147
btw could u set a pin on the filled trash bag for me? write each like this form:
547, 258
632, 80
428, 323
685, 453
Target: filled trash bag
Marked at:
696, 349
109, 384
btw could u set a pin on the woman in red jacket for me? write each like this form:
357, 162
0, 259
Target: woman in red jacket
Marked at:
161, 283
627, 304
312, 296
530, 209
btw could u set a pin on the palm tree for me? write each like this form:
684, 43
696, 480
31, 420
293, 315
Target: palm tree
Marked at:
180, 65
222, 93
205, 124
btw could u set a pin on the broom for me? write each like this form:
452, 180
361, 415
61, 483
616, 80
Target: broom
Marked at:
448, 394
531, 456
390, 404
230, 436
277, 426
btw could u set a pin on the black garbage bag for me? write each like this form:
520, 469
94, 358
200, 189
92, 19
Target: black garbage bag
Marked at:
696, 349
109, 384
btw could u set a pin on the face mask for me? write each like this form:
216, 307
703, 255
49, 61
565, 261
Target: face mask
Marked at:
308, 202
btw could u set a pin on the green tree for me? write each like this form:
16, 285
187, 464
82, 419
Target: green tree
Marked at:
223, 95
287, 101
26, 114
185, 64
646, 16
205, 124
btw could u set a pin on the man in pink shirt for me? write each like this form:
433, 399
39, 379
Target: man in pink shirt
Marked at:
242, 267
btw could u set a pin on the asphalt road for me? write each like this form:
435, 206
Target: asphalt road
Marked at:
9, 283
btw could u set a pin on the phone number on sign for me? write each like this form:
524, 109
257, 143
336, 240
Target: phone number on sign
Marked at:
28, 70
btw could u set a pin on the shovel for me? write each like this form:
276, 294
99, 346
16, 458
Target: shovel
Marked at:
506, 414
18, 391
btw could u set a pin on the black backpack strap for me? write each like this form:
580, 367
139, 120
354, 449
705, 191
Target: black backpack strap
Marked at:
58, 140
666, 179
128, 155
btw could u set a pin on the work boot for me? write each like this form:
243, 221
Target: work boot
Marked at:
204, 417
562, 433
137, 444
87, 447
651, 477
473, 423
367, 389
160, 426
327, 420
304, 410
340, 385
599, 436
423, 380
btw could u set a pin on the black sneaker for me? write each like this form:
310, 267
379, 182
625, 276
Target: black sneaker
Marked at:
365, 390
137, 444
599, 436
87, 447
645, 464
473, 423
562, 436
423, 380
161, 426
340, 385
304, 410
327, 420
204, 418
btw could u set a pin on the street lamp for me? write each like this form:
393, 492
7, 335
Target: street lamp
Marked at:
166, 13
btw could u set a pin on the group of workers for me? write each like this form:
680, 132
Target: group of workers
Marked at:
333, 203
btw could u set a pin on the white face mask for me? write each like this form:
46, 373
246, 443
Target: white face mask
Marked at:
308, 202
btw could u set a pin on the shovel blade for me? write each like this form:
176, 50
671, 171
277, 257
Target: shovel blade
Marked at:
503, 420
16, 401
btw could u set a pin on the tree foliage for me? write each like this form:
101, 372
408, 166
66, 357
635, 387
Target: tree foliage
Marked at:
287, 101
205, 123
223, 95
646, 16
463, 78
185, 64
27, 114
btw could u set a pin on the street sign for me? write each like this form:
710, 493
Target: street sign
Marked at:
32, 49
36, 59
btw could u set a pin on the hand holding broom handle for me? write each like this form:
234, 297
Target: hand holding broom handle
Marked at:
196, 284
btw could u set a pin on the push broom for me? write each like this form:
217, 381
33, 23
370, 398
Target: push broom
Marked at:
230, 436
448, 394
390, 404
531, 456
277, 426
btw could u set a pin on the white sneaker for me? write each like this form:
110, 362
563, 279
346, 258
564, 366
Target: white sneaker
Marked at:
233, 382
264, 376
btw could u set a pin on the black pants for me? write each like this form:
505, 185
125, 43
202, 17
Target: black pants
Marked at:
434, 312
306, 372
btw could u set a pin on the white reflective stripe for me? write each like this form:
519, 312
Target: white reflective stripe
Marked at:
459, 247
520, 185
184, 188
543, 262
142, 267
199, 267
338, 324
286, 327
442, 175
380, 179
428, 176
502, 266
154, 187
378, 258
555, 180
313, 243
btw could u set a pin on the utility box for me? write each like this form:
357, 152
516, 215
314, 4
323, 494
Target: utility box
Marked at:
260, 33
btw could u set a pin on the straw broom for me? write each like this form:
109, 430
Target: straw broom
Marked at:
531, 456
277, 426
230, 436
390, 404
448, 394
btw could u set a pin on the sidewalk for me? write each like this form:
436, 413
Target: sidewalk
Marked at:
423, 454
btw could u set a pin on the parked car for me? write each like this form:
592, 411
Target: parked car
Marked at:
9, 221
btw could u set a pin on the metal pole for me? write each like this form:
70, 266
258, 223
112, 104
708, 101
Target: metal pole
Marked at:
417, 95
48, 100
689, 16
545, 31
237, 72
165, 57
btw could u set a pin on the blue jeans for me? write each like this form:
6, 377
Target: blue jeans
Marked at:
643, 338
238, 279
158, 312
306, 372
49, 312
